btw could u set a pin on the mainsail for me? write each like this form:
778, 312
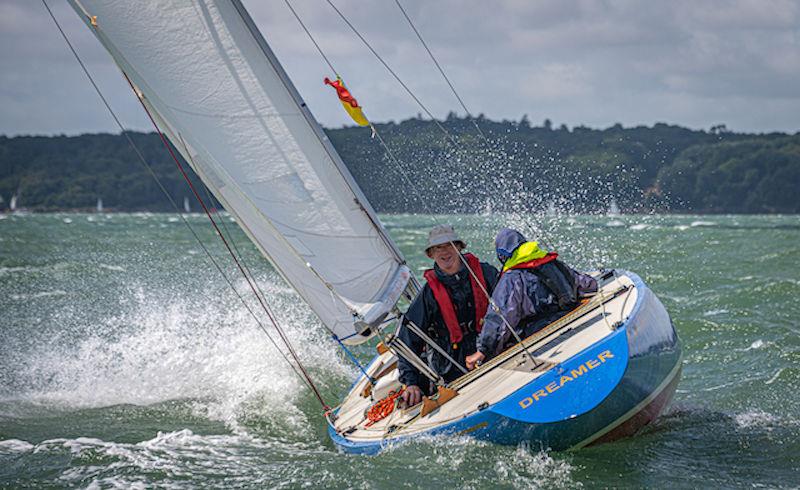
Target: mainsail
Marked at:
217, 91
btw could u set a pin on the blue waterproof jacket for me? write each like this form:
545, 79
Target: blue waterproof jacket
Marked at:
523, 300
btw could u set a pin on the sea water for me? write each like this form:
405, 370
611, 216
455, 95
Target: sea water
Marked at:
126, 360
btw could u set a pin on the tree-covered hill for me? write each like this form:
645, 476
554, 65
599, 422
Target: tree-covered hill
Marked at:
505, 165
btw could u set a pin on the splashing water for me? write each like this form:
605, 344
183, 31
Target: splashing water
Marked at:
145, 370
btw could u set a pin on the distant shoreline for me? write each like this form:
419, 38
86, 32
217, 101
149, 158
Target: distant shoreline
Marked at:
641, 170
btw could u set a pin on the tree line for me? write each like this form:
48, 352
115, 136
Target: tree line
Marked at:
456, 165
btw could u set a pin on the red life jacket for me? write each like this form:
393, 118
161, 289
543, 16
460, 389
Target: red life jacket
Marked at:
442, 297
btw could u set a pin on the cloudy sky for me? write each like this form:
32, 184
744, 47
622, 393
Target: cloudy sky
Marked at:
695, 63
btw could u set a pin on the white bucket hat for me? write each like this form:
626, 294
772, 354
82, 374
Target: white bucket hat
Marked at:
440, 234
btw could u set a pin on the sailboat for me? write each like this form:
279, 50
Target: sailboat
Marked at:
99, 207
186, 208
218, 92
613, 208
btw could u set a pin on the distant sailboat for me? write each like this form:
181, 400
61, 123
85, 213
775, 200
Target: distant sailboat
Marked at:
12, 205
99, 204
186, 207
613, 208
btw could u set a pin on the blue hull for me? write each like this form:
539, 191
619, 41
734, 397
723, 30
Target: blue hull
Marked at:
607, 391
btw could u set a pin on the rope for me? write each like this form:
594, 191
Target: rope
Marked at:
305, 378
383, 408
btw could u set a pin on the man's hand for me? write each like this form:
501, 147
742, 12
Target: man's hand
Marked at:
474, 359
412, 395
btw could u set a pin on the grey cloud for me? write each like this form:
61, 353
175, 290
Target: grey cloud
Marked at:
577, 61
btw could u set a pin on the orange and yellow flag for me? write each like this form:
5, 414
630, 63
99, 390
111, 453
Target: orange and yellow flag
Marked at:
348, 101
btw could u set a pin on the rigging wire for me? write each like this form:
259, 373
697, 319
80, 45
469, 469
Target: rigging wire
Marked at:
405, 175
449, 137
305, 378
261, 300
330, 65
441, 70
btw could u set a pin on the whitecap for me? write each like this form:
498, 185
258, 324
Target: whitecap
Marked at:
179, 452
116, 268
640, 226
67, 220
756, 418
15, 446
774, 376
11, 270
41, 294
715, 312
615, 223
756, 345
702, 223
529, 465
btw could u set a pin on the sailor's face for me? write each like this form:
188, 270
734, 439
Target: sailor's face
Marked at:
446, 257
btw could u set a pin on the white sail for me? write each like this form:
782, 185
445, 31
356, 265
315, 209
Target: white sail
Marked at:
99, 206
218, 92
12, 205
186, 207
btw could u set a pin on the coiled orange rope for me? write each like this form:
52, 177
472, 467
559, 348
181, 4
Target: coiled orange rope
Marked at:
383, 408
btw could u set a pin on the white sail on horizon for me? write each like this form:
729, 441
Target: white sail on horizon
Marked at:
220, 95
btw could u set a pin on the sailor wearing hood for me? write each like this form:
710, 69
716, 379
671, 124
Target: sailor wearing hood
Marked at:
535, 289
449, 309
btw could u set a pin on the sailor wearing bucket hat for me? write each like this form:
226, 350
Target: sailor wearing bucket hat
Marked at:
449, 309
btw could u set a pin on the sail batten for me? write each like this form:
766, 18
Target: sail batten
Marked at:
220, 95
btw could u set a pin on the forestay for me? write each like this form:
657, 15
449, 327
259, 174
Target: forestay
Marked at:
220, 95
